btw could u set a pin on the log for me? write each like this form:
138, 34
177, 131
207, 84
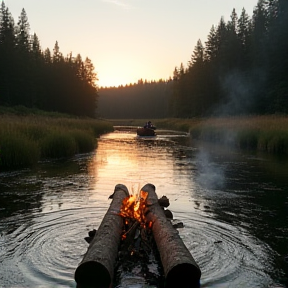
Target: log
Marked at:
97, 267
180, 268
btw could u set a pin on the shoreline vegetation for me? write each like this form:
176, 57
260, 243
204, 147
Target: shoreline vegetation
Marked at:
27, 137
267, 133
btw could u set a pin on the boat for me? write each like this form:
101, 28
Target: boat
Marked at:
145, 131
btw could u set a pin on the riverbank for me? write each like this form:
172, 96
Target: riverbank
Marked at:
267, 133
27, 138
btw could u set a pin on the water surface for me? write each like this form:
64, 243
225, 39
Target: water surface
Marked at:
234, 207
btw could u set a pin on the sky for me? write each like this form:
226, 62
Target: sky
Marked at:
126, 40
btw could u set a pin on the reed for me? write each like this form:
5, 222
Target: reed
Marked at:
267, 133
57, 144
24, 140
85, 142
17, 150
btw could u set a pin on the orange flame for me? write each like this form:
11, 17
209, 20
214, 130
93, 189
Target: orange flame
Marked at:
134, 207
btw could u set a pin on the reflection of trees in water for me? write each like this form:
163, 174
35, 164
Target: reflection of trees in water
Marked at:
23, 192
19, 193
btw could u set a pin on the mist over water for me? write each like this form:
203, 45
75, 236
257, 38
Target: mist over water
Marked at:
210, 175
240, 89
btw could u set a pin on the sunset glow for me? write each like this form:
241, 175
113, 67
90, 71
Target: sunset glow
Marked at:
127, 40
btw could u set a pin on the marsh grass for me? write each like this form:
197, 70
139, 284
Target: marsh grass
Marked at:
265, 133
85, 142
17, 150
24, 140
57, 144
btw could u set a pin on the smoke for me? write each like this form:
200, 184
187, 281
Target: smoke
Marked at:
210, 174
242, 91
242, 95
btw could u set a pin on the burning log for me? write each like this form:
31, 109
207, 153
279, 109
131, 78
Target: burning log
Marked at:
97, 267
180, 268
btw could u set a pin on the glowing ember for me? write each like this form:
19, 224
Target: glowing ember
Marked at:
134, 207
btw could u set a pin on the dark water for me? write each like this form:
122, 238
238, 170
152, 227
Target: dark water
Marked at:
234, 207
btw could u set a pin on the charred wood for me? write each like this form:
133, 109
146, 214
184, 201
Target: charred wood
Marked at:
97, 267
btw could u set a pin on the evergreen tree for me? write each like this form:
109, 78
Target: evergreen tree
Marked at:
22, 32
7, 56
211, 46
259, 33
198, 55
47, 56
244, 36
57, 56
278, 55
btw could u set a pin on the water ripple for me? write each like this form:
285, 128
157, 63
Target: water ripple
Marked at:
46, 249
225, 254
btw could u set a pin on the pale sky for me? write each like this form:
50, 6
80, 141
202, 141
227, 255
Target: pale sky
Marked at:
127, 39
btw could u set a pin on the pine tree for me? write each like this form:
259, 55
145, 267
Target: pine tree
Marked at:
259, 33
244, 29
211, 47
57, 55
22, 32
197, 57
91, 76
7, 56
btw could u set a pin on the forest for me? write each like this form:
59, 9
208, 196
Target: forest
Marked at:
40, 79
241, 69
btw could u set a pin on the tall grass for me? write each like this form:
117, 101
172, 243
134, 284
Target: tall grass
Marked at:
24, 140
265, 133
17, 151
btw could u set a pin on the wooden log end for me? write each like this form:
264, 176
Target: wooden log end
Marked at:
92, 274
183, 275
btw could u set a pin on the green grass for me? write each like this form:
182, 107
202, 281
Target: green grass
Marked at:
264, 133
17, 151
26, 139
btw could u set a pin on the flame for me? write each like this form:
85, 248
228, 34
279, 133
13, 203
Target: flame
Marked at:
134, 207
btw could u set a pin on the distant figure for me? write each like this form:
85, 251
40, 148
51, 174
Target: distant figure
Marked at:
149, 125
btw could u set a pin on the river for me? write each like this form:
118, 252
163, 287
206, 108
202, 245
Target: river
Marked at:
234, 207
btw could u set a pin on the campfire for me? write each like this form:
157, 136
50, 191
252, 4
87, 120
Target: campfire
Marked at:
136, 232
137, 247
133, 207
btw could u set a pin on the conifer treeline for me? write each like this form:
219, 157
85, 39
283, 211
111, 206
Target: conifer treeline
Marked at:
241, 69
139, 100
41, 79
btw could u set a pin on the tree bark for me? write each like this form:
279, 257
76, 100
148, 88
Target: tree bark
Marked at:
180, 268
97, 267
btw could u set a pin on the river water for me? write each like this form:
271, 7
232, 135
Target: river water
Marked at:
234, 207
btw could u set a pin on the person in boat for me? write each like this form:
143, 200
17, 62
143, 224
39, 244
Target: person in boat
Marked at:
149, 125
